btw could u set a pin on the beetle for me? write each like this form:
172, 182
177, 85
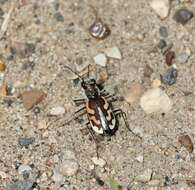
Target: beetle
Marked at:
97, 105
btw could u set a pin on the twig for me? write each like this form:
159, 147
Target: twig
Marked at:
5, 23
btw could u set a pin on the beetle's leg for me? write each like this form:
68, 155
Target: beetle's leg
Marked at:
93, 137
79, 102
119, 112
104, 93
81, 109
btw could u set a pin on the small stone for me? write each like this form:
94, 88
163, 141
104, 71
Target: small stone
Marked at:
59, 17
169, 77
140, 158
59, 110
113, 52
155, 100
2, 66
162, 44
156, 83
134, 93
25, 141
182, 58
100, 59
3, 175
31, 98
20, 185
57, 177
68, 167
42, 124
145, 176
3, 90
170, 55
186, 142
24, 169
161, 7
163, 32
37, 110
182, 16
99, 161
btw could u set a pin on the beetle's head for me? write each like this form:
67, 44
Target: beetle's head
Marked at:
90, 87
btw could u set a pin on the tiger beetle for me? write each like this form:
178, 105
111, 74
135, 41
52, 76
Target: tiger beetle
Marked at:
97, 105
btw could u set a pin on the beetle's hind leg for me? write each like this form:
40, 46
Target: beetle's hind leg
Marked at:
94, 138
121, 113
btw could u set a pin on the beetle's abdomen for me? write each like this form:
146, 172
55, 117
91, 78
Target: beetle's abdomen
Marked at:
100, 116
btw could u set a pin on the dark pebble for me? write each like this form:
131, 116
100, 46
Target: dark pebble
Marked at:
25, 141
20, 185
163, 32
162, 44
170, 55
169, 77
37, 110
182, 16
59, 17
3, 1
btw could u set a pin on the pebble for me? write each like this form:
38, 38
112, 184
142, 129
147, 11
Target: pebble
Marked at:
140, 158
134, 93
113, 52
3, 175
31, 98
145, 176
3, 90
59, 17
163, 32
68, 167
155, 100
69, 155
2, 66
156, 83
161, 7
24, 169
186, 142
182, 58
57, 177
169, 77
100, 59
170, 55
26, 141
59, 110
42, 124
182, 16
99, 161
162, 44
20, 185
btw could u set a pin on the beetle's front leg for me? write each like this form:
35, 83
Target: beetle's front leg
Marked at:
120, 112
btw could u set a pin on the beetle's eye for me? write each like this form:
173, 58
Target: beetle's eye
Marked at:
93, 81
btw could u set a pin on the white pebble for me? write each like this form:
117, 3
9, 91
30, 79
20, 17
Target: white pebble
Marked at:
140, 158
24, 169
155, 100
99, 161
69, 155
113, 52
68, 167
161, 7
57, 177
145, 176
57, 110
100, 59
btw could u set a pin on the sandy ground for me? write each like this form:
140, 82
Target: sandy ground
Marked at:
135, 31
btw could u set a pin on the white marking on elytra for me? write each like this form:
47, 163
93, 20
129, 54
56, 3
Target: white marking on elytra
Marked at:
103, 119
112, 126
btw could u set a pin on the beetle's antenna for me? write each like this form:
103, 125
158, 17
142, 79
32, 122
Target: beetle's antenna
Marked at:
73, 72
